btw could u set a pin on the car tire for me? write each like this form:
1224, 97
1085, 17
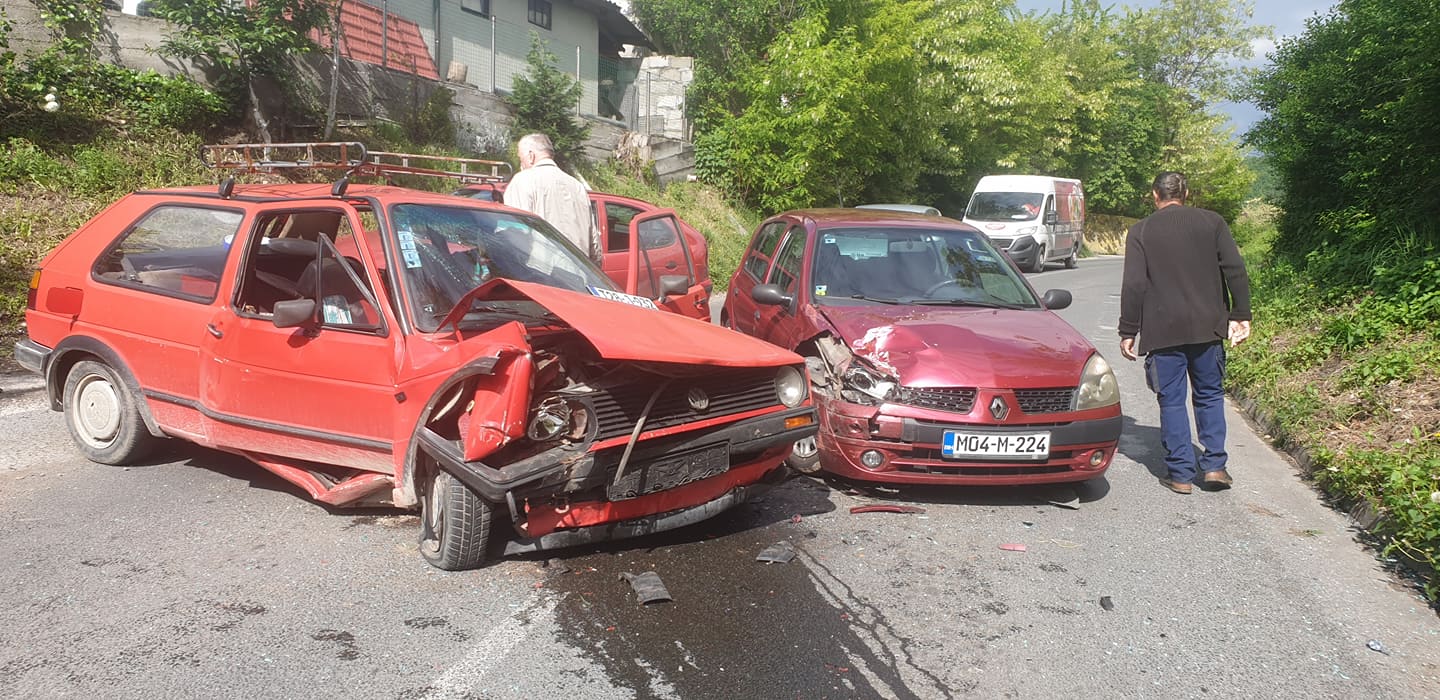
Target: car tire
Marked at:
103, 416
454, 524
805, 456
1039, 264
1074, 260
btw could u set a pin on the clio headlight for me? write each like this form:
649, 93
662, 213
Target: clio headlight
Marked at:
1097, 385
790, 386
871, 384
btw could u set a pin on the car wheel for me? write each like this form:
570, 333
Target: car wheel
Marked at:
454, 524
1074, 260
805, 456
103, 416
1039, 264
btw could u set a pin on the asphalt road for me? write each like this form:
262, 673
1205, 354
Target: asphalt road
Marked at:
199, 575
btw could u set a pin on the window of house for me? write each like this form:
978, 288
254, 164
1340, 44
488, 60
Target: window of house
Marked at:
540, 13
173, 250
479, 7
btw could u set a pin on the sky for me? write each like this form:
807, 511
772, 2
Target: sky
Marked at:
1285, 18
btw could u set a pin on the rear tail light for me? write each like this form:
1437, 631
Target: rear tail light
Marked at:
34, 293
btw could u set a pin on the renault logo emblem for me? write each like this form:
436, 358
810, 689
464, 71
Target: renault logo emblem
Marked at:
998, 408
697, 398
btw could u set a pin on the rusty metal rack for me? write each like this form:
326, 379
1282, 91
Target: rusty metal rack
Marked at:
350, 156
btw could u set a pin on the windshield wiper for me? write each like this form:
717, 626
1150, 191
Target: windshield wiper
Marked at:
964, 302
881, 300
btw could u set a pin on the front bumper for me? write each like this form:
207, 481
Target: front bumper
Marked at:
911, 449
32, 356
569, 470
1022, 250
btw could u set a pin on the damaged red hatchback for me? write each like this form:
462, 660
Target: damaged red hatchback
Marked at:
932, 359
379, 343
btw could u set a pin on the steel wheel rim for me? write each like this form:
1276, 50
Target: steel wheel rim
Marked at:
806, 448
97, 414
434, 518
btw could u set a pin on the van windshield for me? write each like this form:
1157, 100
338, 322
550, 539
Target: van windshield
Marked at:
1004, 206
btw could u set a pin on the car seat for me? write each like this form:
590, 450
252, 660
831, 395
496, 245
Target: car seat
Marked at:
341, 301
832, 272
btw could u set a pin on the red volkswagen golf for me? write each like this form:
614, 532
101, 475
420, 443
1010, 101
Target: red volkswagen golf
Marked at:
931, 358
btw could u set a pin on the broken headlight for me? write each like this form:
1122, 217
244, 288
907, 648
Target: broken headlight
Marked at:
1097, 385
870, 383
555, 417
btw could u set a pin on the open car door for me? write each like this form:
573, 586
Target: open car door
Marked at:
660, 267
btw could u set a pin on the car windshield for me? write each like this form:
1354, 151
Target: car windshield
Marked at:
1004, 206
913, 266
447, 251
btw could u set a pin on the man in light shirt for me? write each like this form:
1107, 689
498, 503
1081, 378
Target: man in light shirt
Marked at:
561, 200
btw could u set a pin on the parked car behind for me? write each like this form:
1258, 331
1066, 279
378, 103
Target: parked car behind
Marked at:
931, 359
671, 249
362, 342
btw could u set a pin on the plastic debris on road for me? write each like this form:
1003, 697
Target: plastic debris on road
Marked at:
648, 587
887, 508
1375, 645
777, 553
1106, 603
1012, 547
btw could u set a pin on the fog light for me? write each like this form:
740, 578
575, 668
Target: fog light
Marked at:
872, 458
1097, 457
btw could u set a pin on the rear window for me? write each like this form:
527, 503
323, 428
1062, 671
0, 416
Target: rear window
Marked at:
173, 250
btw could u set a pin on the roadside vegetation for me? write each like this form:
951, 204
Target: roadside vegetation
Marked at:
795, 105
1345, 362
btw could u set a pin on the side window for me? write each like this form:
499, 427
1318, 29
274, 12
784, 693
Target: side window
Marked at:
758, 260
786, 272
617, 226
174, 250
658, 233
309, 255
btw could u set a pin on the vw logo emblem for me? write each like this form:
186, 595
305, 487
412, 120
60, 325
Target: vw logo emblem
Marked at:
998, 408
697, 398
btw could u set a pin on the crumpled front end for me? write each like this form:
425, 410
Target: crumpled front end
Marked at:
578, 447
873, 428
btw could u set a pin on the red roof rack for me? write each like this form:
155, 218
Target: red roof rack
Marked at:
350, 156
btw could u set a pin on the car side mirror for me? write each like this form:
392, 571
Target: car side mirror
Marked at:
674, 285
1056, 299
771, 295
294, 312
1051, 218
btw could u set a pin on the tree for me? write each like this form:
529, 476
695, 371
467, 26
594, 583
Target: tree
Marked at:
247, 41
545, 101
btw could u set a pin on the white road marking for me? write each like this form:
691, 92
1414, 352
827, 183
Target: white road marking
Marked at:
459, 679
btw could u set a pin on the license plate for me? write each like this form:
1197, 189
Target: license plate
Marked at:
623, 298
959, 444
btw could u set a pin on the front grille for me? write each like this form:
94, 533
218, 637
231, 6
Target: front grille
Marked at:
730, 392
1045, 400
959, 400
1001, 243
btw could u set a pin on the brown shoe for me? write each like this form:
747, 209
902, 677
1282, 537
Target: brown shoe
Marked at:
1218, 480
1179, 487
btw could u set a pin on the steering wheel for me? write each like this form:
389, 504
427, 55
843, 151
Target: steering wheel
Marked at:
935, 287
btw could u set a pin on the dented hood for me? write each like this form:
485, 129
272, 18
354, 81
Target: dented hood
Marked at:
623, 332
950, 346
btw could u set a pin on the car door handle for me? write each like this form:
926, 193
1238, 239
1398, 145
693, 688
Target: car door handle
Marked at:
670, 265
214, 330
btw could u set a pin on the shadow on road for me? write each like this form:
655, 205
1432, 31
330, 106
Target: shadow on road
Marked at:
1085, 491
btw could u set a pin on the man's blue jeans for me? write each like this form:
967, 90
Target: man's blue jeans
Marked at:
1166, 371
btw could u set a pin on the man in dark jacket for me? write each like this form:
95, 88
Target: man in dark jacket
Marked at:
1184, 291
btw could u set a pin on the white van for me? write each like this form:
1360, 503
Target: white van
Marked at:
1034, 218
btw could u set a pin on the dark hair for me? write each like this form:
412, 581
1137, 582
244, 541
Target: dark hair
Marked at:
1171, 186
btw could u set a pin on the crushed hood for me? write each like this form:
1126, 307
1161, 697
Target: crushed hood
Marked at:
933, 346
620, 331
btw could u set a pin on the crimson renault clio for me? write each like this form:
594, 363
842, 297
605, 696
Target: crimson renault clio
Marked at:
931, 358
374, 343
